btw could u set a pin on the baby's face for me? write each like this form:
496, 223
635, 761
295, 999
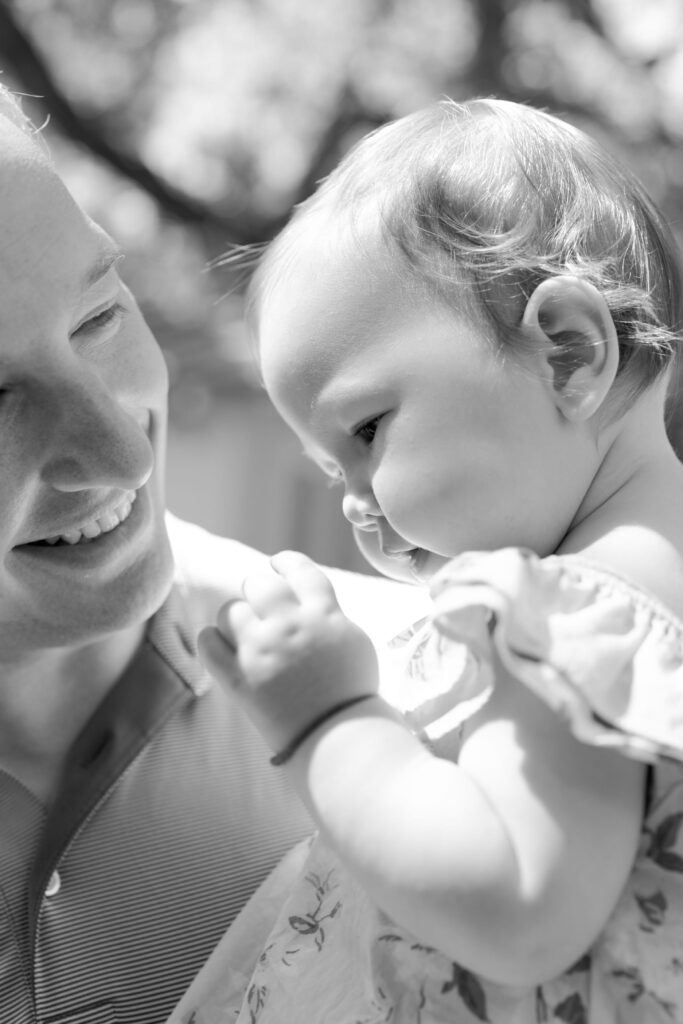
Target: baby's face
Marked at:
439, 443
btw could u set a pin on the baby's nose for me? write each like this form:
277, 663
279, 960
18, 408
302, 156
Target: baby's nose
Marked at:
361, 510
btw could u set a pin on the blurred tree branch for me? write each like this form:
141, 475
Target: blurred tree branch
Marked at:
31, 68
348, 98
351, 117
350, 113
18, 52
486, 71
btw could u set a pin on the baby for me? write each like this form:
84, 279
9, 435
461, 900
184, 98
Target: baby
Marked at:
470, 327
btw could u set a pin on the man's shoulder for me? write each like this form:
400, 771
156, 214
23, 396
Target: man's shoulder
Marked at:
206, 559
209, 569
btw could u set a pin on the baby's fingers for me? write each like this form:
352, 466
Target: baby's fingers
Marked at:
218, 656
305, 578
268, 593
232, 619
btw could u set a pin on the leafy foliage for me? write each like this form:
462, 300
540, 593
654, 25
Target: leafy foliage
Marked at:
187, 128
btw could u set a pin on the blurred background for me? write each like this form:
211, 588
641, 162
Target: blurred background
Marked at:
189, 127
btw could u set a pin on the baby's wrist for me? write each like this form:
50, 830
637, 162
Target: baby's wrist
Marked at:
287, 752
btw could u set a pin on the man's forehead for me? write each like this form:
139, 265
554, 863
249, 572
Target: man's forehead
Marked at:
16, 144
51, 252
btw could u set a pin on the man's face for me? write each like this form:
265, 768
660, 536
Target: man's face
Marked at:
83, 548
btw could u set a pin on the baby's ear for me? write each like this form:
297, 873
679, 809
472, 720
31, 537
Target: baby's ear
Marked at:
574, 342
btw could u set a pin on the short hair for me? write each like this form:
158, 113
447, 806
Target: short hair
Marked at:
504, 196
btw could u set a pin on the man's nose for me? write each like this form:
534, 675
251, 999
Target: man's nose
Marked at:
94, 440
361, 509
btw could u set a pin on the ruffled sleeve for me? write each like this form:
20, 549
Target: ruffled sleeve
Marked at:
603, 654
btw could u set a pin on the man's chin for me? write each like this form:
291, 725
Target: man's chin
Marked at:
81, 616
133, 599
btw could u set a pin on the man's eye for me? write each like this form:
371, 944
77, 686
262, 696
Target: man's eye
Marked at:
112, 314
366, 432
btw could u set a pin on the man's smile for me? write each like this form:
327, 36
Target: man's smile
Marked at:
93, 526
114, 537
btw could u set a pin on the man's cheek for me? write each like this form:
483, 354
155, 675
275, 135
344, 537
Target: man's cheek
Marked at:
143, 371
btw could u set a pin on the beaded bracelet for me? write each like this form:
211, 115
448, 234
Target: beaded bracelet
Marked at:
291, 748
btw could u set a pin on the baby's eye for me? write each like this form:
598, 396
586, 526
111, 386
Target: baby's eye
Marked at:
366, 432
112, 314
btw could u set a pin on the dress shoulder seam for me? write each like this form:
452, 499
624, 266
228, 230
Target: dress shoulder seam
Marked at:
609, 577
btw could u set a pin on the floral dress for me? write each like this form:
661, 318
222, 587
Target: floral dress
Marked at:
605, 656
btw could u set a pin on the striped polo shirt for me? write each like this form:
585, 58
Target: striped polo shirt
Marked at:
168, 818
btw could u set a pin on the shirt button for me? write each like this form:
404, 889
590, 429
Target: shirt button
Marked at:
54, 885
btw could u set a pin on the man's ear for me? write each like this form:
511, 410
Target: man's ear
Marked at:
574, 342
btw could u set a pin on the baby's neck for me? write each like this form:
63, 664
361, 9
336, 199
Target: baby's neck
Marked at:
631, 519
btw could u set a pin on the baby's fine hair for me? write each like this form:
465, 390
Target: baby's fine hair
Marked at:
11, 109
502, 196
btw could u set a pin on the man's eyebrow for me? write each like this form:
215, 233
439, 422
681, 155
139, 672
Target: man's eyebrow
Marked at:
102, 265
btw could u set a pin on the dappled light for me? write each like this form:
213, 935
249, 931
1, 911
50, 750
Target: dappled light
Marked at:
187, 129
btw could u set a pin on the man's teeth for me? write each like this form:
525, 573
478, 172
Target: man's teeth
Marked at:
96, 527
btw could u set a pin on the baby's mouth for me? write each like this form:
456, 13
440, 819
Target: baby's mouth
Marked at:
95, 527
418, 557
402, 555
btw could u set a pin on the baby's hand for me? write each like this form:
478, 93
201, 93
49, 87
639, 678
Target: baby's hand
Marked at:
287, 650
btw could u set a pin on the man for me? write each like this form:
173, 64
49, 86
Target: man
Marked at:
139, 811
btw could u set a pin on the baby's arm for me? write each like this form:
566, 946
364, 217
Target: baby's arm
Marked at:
510, 862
